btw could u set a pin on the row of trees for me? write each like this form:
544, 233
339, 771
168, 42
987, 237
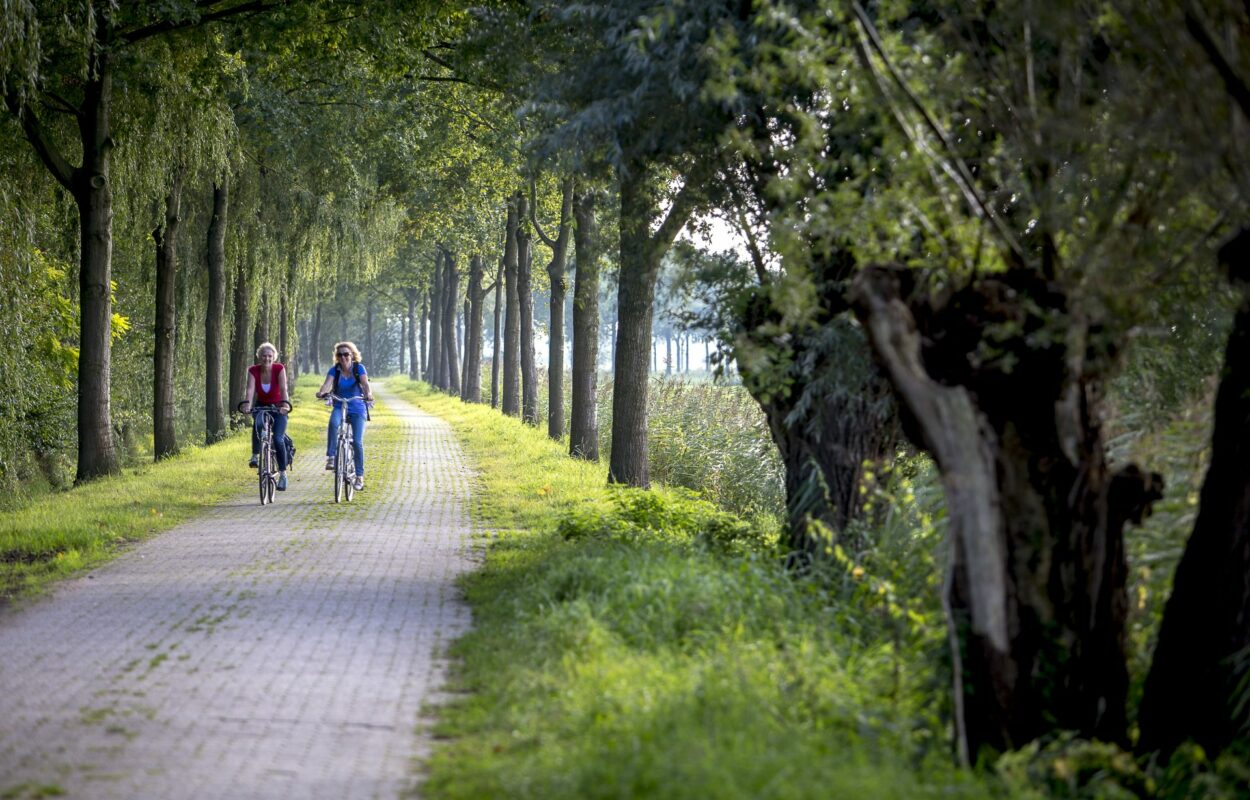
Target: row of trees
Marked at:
961, 221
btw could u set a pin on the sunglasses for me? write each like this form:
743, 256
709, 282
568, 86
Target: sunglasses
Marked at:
344, 355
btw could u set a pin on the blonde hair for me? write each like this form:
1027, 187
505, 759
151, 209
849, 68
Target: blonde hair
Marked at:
349, 346
262, 347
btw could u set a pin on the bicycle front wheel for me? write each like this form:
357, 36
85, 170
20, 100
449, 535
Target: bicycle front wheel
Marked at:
340, 475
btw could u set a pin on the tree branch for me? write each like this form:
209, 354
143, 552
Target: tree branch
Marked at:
953, 164
547, 240
38, 138
166, 25
1233, 82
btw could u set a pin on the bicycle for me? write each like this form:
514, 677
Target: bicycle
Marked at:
267, 459
344, 453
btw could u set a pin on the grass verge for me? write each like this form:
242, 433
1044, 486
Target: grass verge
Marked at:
58, 534
644, 644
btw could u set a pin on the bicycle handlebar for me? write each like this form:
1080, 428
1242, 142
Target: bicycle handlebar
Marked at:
264, 407
331, 396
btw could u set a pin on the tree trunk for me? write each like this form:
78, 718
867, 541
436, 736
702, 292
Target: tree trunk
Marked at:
93, 193
512, 317
525, 302
91, 189
583, 428
494, 359
315, 345
1197, 686
473, 342
214, 411
556, 273
239, 360
1036, 591
367, 357
830, 411
640, 254
423, 334
414, 368
287, 343
451, 291
261, 334
165, 235
434, 365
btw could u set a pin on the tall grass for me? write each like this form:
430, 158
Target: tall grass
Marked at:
706, 436
647, 644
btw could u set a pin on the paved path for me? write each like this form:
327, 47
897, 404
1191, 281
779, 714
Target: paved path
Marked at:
276, 652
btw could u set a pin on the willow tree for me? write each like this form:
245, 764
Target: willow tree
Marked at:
98, 41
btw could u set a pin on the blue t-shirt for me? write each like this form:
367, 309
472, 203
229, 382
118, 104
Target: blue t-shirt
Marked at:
350, 387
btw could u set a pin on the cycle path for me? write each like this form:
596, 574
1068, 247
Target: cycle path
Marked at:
284, 651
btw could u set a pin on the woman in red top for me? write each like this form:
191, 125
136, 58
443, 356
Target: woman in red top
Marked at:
266, 385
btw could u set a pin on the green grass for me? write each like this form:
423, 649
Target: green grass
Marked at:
644, 644
58, 534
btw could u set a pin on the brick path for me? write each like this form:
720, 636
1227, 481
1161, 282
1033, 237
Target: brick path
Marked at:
276, 652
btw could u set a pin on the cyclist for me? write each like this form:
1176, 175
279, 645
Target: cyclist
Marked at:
348, 378
266, 385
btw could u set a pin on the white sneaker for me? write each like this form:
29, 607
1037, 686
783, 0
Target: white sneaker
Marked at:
360, 482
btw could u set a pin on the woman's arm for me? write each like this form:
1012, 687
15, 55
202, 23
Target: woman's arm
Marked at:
325, 387
364, 385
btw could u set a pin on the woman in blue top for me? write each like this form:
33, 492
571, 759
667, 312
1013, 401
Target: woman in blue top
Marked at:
347, 378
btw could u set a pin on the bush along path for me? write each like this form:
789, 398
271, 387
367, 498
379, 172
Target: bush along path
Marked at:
278, 651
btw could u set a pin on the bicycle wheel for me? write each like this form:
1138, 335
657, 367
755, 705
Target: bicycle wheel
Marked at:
262, 474
340, 475
349, 477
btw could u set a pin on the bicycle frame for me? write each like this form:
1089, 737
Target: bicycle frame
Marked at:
266, 461
344, 453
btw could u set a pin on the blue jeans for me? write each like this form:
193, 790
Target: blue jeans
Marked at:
357, 421
279, 431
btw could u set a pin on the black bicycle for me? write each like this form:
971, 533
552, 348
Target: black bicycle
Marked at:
267, 459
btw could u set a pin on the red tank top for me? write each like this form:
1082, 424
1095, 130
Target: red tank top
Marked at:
274, 395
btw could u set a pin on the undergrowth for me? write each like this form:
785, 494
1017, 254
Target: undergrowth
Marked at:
648, 644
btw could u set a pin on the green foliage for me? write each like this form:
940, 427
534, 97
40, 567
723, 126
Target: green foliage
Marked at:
631, 643
641, 516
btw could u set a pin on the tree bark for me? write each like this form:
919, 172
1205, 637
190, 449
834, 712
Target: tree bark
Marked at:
239, 360
214, 410
414, 368
1036, 591
640, 254
476, 297
368, 354
315, 345
556, 273
165, 236
436, 323
512, 317
525, 301
830, 411
494, 359
1196, 688
92, 190
451, 290
423, 334
583, 427
261, 333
